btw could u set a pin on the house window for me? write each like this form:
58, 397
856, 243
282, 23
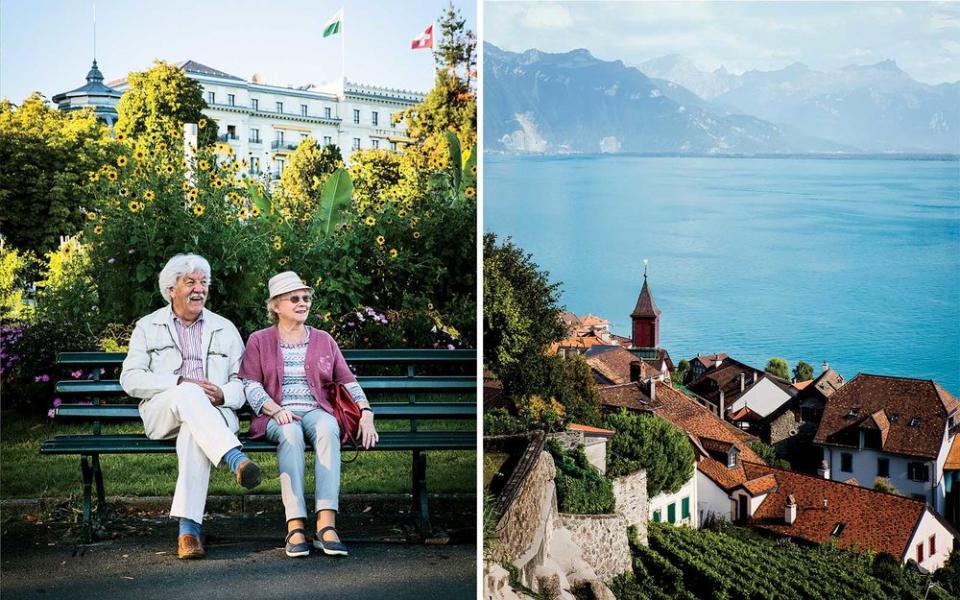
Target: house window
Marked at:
373, 118
871, 439
919, 553
356, 116
254, 136
356, 143
918, 471
254, 165
327, 140
232, 99
732, 458
393, 146
883, 467
280, 107
327, 113
933, 545
210, 97
375, 143
685, 508
846, 462
231, 132
280, 164
656, 516
672, 513
255, 104
303, 110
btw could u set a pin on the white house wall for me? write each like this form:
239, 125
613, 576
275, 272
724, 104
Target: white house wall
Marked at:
864, 463
930, 526
662, 501
711, 500
763, 398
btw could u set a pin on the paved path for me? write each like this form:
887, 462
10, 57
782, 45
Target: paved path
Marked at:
244, 560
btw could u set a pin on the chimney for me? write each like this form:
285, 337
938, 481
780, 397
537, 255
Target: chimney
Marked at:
825, 366
723, 410
717, 361
754, 376
790, 511
823, 471
743, 381
653, 390
825, 505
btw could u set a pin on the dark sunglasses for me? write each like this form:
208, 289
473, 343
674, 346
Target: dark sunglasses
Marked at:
307, 299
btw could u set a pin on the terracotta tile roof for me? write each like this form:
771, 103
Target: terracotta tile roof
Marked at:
592, 321
866, 518
591, 430
626, 395
802, 384
613, 363
915, 410
578, 342
953, 458
825, 384
726, 377
707, 360
760, 485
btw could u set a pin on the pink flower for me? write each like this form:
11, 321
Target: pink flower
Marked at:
51, 413
41, 378
76, 374
57, 402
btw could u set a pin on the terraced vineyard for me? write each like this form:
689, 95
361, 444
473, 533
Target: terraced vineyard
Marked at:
739, 565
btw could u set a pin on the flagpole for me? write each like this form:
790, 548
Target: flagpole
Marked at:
343, 51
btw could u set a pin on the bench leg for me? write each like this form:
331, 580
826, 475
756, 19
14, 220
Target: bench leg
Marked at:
101, 494
420, 506
87, 473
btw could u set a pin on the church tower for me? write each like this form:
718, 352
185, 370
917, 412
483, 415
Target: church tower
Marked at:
645, 318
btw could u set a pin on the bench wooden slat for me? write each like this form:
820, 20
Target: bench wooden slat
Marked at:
401, 356
379, 384
139, 444
393, 411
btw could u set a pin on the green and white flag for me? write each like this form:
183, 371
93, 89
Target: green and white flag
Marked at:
334, 25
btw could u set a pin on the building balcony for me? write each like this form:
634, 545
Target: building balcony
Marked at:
283, 145
255, 140
228, 137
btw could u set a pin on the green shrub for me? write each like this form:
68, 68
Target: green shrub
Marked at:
648, 442
769, 455
499, 421
581, 489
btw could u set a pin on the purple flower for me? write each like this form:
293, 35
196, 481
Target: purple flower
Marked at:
41, 378
51, 413
76, 374
57, 402
450, 347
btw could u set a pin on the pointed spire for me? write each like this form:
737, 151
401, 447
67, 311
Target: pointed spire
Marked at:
645, 307
94, 75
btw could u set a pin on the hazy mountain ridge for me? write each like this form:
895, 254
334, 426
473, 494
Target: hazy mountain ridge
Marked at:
573, 102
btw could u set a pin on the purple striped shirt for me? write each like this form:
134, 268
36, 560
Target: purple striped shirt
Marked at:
190, 347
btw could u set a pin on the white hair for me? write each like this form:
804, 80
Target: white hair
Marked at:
177, 267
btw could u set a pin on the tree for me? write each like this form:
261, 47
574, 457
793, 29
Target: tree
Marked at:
307, 169
457, 45
48, 158
521, 317
769, 455
680, 374
645, 441
376, 174
778, 367
578, 394
803, 371
158, 103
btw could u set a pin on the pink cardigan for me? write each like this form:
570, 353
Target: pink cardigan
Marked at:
263, 362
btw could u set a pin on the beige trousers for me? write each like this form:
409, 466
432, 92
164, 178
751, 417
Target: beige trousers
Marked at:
204, 434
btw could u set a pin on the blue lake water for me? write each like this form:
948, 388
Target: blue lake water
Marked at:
853, 262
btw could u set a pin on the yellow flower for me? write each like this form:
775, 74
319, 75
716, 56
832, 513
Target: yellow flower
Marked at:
228, 219
319, 281
379, 263
217, 182
124, 192
470, 192
132, 205
277, 245
326, 316
380, 240
94, 177
121, 160
202, 123
393, 252
91, 216
430, 306
370, 220
149, 196
204, 165
168, 169
283, 260
416, 235
401, 213
98, 229
473, 170
198, 209
140, 206
140, 154
120, 137
185, 186
255, 211
243, 213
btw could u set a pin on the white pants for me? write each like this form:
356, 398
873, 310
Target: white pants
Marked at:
204, 434
321, 428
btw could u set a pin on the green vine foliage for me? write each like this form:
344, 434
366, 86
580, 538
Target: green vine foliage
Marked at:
581, 488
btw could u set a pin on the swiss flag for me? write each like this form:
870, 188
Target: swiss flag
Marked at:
424, 40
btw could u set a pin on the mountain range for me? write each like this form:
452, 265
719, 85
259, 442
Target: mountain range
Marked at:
573, 102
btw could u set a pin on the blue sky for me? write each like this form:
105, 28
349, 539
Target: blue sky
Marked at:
923, 37
47, 45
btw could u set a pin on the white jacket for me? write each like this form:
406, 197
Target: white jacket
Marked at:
154, 355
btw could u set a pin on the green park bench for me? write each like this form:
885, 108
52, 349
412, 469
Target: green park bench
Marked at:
393, 397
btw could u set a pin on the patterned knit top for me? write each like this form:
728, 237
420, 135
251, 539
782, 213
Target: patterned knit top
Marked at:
296, 392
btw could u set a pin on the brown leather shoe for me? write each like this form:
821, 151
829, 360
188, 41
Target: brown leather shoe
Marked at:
248, 474
188, 547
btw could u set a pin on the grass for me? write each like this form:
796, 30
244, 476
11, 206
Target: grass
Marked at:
25, 473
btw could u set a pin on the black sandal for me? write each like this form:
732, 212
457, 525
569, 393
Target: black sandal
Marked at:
329, 548
297, 550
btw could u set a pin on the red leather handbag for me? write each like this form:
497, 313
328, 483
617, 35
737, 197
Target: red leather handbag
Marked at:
347, 414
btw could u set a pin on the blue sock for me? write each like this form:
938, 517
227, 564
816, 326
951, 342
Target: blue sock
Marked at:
234, 457
188, 526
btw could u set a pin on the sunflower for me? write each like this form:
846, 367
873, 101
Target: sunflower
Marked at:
243, 213
194, 193
228, 219
121, 160
217, 182
168, 169
120, 137
283, 260
416, 235
430, 306
140, 206
277, 245
204, 165
132, 206
202, 123
198, 209
124, 192
94, 177
380, 240
91, 216
370, 220
149, 196
326, 316
98, 229
140, 154
401, 213
393, 253
473, 170
319, 281
470, 192
255, 212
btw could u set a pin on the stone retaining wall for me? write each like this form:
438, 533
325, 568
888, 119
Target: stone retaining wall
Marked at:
603, 541
630, 493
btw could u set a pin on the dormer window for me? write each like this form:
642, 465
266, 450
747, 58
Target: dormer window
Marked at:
894, 418
732, 457
854, 413
837, 530
914, 422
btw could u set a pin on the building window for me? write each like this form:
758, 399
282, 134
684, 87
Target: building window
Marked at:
327, 140
933, 545
919, 553
846, 462
254, 165
356, 116
356, 143
685, 508
254, 136
210, 97
280, 107
280, 137
373, 118
393, 146
303, 110
231, 132
255, 104
672, 513
918, 471
375, 143
327, 113
732, 457
656, 516
883, 467
232, 99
